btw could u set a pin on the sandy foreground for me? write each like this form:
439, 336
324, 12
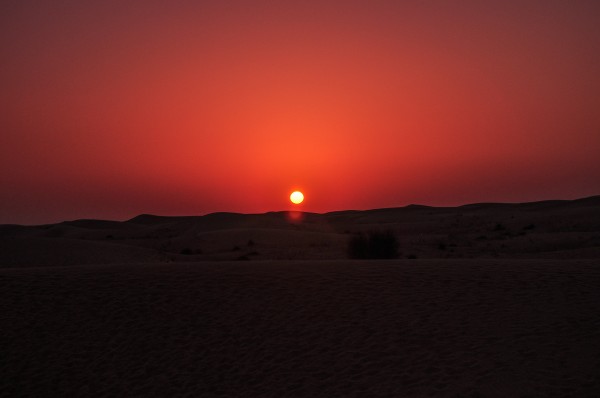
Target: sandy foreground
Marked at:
401, 328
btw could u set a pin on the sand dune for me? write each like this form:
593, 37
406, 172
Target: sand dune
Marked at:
549, 229
447, 328
503, 300
44, 252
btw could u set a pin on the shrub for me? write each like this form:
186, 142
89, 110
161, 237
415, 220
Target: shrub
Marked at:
374, 245
358, 246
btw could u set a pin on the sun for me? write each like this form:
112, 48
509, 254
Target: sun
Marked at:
297, 197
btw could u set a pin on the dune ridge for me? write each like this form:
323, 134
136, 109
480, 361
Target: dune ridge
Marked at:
547, 229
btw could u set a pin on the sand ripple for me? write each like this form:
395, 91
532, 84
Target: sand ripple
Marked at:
303, 329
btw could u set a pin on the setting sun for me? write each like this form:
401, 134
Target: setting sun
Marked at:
297, 197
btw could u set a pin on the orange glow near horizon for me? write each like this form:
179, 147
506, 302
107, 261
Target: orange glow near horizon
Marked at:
113, 109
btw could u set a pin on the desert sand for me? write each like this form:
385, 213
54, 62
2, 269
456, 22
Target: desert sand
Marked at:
501, 300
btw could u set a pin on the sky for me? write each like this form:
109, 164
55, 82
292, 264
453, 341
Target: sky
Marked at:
110, 109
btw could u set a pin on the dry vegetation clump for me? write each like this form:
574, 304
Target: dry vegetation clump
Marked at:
373, 245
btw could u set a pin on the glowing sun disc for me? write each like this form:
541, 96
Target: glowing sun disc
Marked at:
296, 197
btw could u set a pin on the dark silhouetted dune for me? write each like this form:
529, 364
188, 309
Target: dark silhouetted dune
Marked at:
46, 252
548, 229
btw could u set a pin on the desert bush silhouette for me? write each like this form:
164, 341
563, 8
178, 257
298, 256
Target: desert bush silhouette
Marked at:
373, 245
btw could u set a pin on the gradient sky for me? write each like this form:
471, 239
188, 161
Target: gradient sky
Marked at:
110, 109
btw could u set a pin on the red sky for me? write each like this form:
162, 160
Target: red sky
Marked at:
109, 110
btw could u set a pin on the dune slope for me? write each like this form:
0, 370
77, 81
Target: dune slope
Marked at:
548, 229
